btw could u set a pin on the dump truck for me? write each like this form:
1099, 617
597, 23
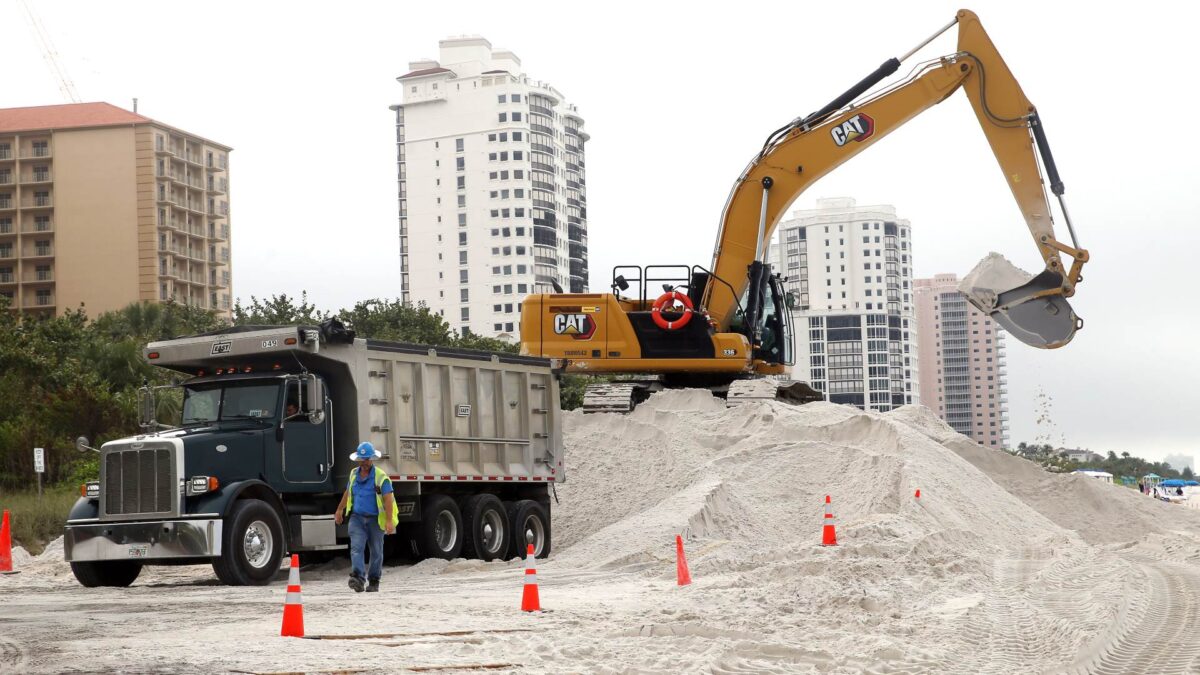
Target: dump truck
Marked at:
267, 417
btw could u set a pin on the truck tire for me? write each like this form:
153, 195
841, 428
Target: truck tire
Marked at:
441, 534
529, 517
251, 545
119, 573
486, 529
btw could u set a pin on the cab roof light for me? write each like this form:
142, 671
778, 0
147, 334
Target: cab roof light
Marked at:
152, 355
289, 341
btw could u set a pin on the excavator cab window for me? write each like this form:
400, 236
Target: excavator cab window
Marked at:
775, 345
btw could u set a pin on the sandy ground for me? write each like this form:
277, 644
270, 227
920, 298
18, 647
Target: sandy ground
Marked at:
998, 568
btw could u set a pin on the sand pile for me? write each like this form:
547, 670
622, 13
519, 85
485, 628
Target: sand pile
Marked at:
961, 571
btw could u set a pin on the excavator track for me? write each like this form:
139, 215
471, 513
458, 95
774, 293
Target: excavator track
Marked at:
765, 389
618, 397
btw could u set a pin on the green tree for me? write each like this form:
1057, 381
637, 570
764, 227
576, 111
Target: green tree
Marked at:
1187, 473
278, 310
383, 319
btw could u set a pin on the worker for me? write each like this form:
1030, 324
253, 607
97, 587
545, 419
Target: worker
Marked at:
371, 508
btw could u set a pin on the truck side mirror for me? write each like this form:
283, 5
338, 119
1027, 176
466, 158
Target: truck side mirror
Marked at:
146, 408
314, 399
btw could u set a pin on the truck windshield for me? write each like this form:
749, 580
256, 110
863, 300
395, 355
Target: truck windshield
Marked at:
215, 401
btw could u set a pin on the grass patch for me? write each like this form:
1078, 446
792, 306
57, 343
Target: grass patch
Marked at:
36, 522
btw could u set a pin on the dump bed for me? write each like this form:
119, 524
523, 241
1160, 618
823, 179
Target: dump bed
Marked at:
441, 414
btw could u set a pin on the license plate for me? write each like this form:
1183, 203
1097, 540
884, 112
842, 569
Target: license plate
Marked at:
139, 550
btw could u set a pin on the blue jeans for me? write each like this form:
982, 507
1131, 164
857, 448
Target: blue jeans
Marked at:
361, 528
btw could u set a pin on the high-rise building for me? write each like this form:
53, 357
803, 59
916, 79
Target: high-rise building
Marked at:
492, 193
101, 207
849, 268
963, 376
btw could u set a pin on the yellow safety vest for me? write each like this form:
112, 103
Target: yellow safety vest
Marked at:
380, 479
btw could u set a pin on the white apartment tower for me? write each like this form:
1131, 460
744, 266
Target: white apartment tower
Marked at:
850, 269
491, 188
963, 376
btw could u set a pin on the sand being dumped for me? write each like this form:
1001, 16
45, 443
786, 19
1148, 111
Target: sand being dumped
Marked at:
970, 578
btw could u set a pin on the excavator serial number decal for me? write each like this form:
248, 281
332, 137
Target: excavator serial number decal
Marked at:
858, 128
578, 326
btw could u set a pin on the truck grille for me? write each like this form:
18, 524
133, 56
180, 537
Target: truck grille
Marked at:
139, 481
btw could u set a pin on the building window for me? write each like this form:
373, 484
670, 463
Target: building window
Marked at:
462, 182
458, 145
466, 313
516, 98
462, 238
460, 164
516, 117
503, 117
501, 98
462, 276
462, 220
463, 294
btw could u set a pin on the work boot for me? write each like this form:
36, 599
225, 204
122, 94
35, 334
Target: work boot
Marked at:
356, 582
373, 586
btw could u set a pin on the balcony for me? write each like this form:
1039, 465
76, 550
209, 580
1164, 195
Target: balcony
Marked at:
6, 178
6, 253
42, 300
37, 202
541, 110
541, 128
6, 153
36, 152
39, 276
35, 177
7, 204
39, 252
38, 227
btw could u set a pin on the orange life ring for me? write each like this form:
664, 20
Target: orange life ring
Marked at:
671, 296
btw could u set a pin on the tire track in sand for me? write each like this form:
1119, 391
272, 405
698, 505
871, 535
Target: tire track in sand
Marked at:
1163, 639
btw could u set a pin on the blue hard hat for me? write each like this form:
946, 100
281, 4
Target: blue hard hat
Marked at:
365, 451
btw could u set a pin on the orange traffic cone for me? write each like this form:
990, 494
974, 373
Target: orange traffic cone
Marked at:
5, 545
828, 534
293, 606
683, 576
529, 600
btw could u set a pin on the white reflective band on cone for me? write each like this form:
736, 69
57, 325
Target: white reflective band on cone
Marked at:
294, 577
293, 599
829, 521
531, 579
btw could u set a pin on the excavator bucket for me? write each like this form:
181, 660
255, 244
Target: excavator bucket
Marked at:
1012, 297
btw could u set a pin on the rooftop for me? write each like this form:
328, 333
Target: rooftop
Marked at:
77, 116
66, 116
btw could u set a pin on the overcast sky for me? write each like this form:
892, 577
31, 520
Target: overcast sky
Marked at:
677, 98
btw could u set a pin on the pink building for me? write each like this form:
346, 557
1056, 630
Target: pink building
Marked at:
961, 350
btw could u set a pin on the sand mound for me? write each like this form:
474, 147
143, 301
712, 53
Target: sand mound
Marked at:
974, 561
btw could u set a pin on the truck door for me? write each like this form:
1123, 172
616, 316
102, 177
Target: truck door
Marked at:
306, 446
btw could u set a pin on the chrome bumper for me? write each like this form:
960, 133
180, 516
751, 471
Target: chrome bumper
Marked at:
158, 540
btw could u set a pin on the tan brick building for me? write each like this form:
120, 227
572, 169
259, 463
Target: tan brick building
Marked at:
101, 207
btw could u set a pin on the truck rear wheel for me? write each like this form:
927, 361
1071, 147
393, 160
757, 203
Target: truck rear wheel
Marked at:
251, 545
119, 573
441, 534
530, 525
486, 528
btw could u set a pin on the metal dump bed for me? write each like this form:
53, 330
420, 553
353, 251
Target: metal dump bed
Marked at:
461, 415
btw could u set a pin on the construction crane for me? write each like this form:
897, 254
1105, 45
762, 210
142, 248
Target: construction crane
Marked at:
65, 85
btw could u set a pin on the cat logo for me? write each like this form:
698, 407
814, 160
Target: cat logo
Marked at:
578, 326
858, 128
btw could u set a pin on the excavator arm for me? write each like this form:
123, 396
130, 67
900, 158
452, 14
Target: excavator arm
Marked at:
1033, 308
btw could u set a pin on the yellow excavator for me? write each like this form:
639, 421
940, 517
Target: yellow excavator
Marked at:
727, 326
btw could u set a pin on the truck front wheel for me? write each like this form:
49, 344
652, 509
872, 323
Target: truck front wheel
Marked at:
118, 573
251, 545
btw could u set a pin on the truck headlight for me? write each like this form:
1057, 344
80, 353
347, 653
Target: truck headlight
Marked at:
199, 485
90, 490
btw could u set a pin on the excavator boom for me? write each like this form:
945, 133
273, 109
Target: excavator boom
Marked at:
1036, 310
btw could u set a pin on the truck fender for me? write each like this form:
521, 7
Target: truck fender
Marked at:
222, 500
85, 509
